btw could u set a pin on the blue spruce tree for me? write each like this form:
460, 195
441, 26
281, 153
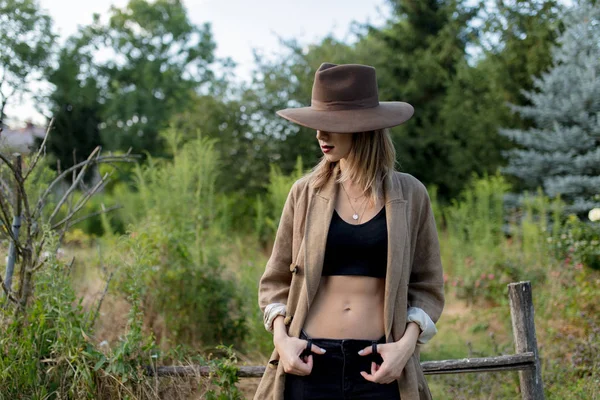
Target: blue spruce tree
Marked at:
561, 153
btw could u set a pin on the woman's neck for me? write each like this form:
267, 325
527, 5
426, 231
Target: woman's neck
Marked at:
349, 185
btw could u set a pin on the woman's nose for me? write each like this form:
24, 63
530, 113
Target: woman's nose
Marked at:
321, 134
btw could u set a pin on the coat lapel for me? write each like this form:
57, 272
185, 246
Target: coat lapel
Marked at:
318, 218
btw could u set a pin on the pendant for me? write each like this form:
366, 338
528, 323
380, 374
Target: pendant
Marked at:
355, 216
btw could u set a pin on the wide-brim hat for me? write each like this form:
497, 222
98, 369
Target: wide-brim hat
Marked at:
345, 99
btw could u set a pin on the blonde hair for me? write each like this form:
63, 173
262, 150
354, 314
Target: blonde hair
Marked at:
371, 159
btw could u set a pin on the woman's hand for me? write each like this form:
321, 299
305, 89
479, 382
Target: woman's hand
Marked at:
395, 356
289, 349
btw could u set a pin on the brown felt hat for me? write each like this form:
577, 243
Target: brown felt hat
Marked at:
345, 100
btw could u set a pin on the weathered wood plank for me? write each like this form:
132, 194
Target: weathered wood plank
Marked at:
483, 364
521, 311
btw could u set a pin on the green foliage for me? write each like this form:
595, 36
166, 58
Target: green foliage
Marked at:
75, 107
49, 351
167, 57
516, 40
578, 241
179, 224
538, 218
474, 228
268, 211
161, 59
43, 351
477, 253
26, 42
567, 312
224, 376
243, 156
560, 153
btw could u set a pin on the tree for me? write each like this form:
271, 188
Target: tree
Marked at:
26, 42
516, 41
424, 46
159, 60
561, 152
512, 44
75, 106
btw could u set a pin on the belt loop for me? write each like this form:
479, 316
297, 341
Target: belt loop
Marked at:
374, 346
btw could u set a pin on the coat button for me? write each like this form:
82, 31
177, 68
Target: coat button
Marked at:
288, 319
293, 268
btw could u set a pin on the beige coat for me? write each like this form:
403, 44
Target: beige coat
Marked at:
414, 270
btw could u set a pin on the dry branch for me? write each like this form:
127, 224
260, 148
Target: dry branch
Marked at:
30, 244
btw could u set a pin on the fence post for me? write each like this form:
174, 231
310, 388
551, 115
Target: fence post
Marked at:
521, 311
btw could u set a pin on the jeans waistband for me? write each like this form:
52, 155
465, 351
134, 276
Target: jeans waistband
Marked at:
341, 344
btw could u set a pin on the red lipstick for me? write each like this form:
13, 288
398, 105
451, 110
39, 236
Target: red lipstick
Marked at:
326, 149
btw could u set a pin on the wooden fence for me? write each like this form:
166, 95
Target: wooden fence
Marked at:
525, 360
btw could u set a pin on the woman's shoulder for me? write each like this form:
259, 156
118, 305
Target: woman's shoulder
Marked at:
302, 184
409, 184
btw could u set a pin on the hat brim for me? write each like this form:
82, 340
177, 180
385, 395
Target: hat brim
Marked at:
386, 115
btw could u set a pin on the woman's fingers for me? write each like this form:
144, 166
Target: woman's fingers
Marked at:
374, 367
377, 376
301, 366
369, 349
302, 363
366, 351
316, 349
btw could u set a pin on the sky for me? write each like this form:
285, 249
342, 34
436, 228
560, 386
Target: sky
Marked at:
238, 26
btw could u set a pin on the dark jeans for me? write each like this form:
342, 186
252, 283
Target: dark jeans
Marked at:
336, 374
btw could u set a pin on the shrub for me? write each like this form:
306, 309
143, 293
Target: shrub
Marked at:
578, 240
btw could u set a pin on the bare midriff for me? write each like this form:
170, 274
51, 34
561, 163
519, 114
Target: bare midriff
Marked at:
347, 307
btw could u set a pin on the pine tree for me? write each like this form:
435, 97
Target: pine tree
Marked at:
561, 153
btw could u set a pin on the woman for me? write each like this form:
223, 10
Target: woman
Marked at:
354, 284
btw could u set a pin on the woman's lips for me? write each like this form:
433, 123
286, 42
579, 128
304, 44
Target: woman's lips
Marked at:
327, 149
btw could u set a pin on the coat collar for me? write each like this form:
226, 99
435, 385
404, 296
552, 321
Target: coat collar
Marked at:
319, 213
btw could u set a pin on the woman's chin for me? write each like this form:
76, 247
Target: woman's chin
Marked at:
331, 157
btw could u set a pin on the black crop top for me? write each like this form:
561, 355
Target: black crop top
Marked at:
356, 249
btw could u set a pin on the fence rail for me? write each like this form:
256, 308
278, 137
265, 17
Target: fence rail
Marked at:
525, 360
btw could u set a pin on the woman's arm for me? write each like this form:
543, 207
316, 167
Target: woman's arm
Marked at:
426, 284
274, 285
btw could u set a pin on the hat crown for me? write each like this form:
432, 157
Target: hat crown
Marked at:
344, 87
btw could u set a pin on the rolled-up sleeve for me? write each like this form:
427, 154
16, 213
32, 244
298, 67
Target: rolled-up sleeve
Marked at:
426, 284
274, 284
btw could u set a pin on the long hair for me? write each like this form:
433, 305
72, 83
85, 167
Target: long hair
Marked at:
371, 159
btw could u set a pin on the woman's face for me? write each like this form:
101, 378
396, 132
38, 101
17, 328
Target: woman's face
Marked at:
335, 146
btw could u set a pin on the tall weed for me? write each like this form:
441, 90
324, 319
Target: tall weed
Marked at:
183, 225
268, 210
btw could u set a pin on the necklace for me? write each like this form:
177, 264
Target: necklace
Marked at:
362, 213
353, 198
355, 215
